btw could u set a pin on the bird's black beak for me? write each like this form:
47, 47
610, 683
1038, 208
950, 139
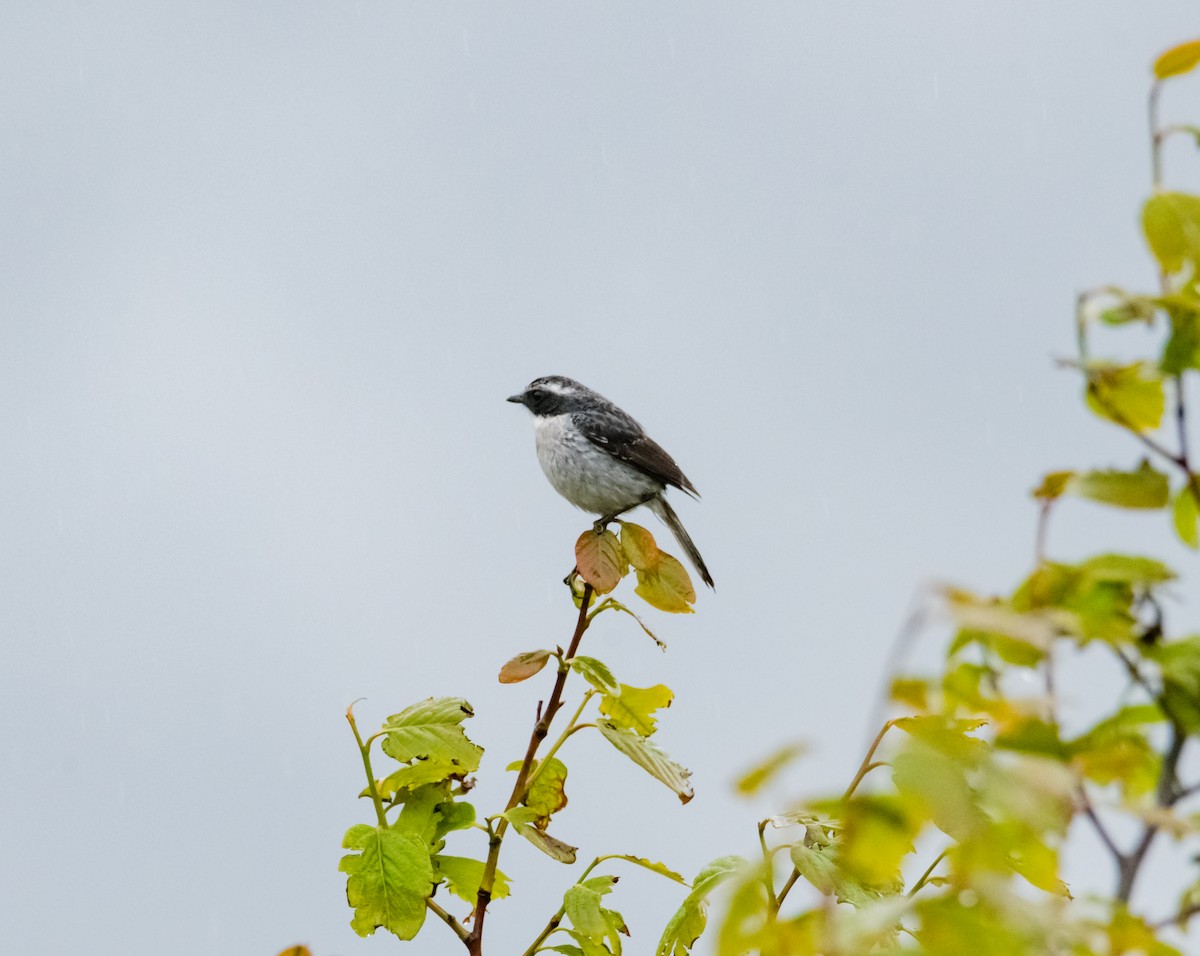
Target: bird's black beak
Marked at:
519, 399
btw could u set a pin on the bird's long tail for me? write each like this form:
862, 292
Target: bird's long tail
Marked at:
667, 514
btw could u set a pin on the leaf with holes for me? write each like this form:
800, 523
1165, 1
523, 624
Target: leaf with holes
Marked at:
432, 729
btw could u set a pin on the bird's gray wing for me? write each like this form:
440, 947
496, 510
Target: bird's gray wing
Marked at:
623, 438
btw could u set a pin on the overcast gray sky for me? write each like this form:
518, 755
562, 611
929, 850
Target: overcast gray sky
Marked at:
269, 271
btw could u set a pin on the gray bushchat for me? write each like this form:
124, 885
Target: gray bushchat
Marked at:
599, 459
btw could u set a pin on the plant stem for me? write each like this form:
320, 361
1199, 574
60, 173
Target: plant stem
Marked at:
927, 874
459, 930
1168, 795
768, 876
474, 940
867, 766
562, 738
364, 751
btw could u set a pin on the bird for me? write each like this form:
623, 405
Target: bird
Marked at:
601, 460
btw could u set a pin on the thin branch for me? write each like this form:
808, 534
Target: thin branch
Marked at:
459, 930
541, 728
787, 888
1101, 831
768, 874
1167, 796
1182, 916
927, 874
867, 766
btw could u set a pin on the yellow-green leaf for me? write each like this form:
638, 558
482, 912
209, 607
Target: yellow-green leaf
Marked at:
660, 868
1179, 59
685, 927
1171, 222
1185, 514
388, 880
667, 586
649, 757
1130, 395
640, 547
546, 793
1147, 487
596, 673
432, 729
766, 770
1053, 485
463, 876
634, 707
600, 560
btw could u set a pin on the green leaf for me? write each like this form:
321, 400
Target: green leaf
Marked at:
667, 586
1180, 664
1130, 395
685, 927
581, 904
388, 881
546, 794
1032, 735
939, 781
1182, 349
1171, 222
1126, 569
1145, 488
946, 734
596, 673
432, 729
418, 774
878, 830
462, 877
634, 707
600, 560
1179, 59
524, 666
1185, 515
649, 757
818, 865
1133, 308
1117, 750
522, 819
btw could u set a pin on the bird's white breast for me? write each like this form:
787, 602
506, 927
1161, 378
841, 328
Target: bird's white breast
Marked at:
588, 477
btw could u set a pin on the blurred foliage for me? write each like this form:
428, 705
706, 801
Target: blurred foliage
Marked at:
950, 838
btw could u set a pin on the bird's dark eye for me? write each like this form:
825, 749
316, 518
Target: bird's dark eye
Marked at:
537, 393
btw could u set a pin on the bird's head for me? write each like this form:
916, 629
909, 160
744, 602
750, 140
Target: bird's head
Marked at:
552, 395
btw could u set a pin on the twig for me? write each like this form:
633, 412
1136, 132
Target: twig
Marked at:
927, 874
1167, 796
867, 766
1101, 831
541, 728
459, 930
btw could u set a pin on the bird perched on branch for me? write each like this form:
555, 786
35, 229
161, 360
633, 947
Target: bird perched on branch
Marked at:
598, 458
